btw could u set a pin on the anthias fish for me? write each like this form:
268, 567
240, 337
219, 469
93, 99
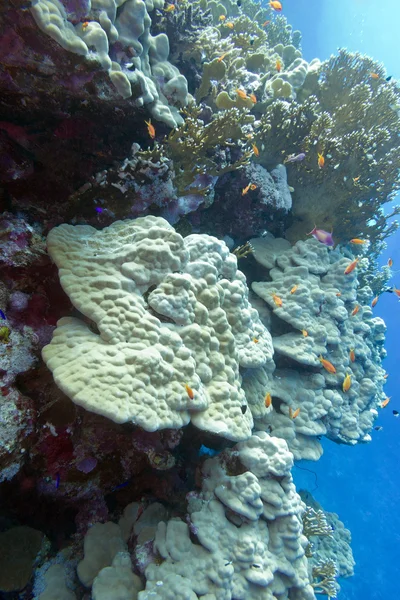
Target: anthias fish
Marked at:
351, 266
322, 236
346, 383
328, 366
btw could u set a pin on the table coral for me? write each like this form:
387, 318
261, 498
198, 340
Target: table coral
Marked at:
173, 324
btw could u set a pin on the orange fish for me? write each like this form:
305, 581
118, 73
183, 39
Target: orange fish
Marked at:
355, 310
267, 400
396, 291
151, 129
230, 25
328, 366
374, 75
385, 402
386, 375
278, 65
352, 355
304, 332
346, 383
221, 18
246, 189
338, 294
276, 6
351, 266
242, 94
256, 151
253, 98
390, 263
356, 179
255, 340
277, 300
375, 301
189, 391
294, 288
253, 187
294, 414
265, 23
358, 241
85, 25
170, 8
321, 160
221, 58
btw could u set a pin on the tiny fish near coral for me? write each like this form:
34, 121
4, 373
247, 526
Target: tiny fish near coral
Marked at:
355, 310
275, 5
322, 236
328, 366
375, 301
321, 160
277, 300
151, 129
189, 391
268, 400
358, 241
346, 383
385, 402
294, 414
294, 158
352, 355
351, 266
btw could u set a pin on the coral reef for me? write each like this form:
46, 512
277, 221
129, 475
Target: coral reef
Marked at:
171, 325
317, 311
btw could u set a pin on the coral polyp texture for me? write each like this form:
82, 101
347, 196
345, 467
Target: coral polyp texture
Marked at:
116, 36
171, 323
318, 313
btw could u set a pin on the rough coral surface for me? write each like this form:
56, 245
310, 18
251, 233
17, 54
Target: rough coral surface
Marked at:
173, 324
237, 557
317, 318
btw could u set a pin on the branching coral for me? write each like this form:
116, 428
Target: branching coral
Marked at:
352, 120
324, 574
197, 149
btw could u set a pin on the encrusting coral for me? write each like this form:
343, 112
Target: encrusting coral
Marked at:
116, 35
317, 312
171, 325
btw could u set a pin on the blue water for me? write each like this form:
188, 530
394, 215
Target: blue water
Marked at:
362, 484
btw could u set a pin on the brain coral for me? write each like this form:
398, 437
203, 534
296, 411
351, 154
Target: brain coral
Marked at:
317, 317
171, 324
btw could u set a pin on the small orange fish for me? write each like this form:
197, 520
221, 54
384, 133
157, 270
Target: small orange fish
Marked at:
375, 301
338, 294
386, 375
151, 129
278, 65
256, 151
358, 241
189, 391
396, 291
277, 300
356, 179
304, 332
390, 263
355, 310
267, 400
265, 23
276, 5
221, 58
385, 402
230, 25
253, 98
85, 25
246, 189
346, 383
294, 414
328, 366
242, 94
222, 18
170, 8
255, 340
294, 288
351, 266
374, 75
253, 187
352, 355
321, 160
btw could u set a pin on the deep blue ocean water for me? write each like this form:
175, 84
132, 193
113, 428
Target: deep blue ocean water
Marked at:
362, 483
